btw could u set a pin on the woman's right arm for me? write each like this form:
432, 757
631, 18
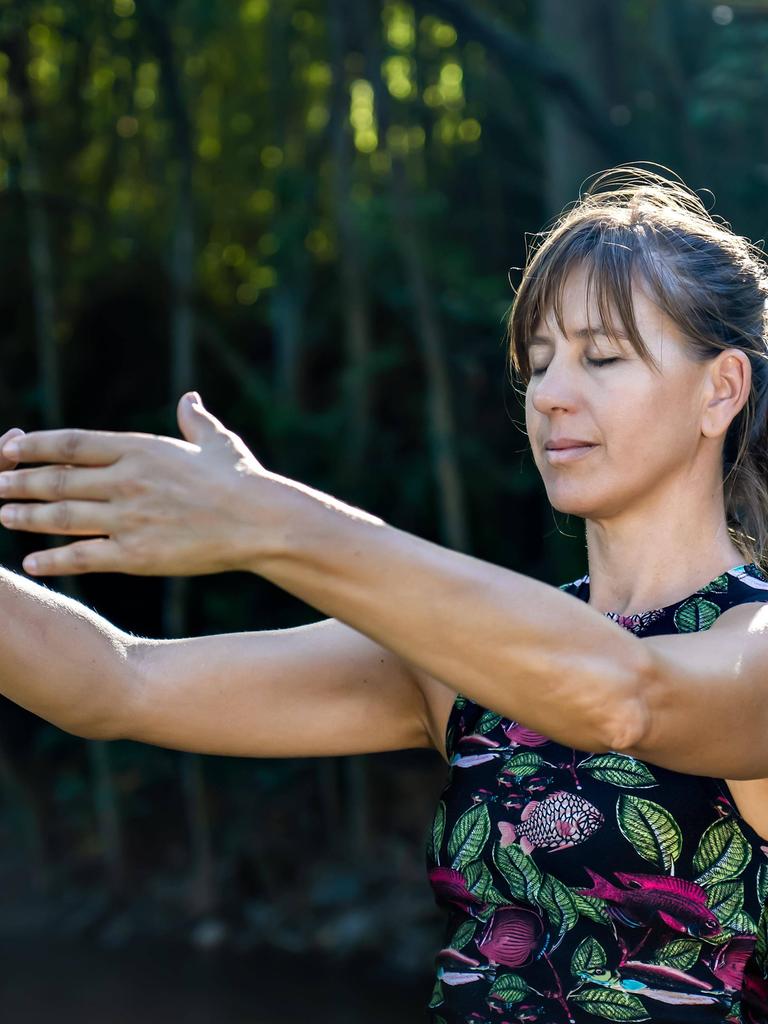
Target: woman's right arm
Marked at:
61, 660
309, 691
313, 690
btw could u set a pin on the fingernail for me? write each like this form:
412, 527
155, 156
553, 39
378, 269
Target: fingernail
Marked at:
30, 564
196, 397
11, 449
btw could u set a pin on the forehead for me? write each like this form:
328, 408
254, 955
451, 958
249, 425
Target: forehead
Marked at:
581, 315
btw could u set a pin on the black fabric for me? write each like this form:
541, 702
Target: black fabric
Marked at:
583, 887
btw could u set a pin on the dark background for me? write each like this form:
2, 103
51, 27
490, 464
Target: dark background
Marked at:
308, 212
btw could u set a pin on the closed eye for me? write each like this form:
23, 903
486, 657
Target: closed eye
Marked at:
593, 362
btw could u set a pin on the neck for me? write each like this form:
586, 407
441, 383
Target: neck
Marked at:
653, 557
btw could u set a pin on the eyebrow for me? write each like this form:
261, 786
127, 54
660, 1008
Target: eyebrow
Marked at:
583, 332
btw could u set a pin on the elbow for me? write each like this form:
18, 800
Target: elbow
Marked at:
630, 719
115, 716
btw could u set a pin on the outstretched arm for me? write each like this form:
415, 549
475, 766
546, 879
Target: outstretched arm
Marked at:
514, 644
705, 698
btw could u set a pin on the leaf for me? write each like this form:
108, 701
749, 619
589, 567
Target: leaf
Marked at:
761, 946
588, 956
435, 837
762, 883
463, 934
651, 830
742, 924
438, 996
717, 586
480, 883
696, 614
619, 770
522, 765
510, 988
469, 836
519, 872
558, 901
722, 853
681, 954
613, 1005
592, 907
488, 720
725, 899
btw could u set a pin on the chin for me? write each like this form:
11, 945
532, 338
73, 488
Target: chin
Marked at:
574, 504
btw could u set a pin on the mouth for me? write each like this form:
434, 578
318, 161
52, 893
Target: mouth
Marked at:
579, 451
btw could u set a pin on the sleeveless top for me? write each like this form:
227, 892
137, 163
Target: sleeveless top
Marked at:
583, 886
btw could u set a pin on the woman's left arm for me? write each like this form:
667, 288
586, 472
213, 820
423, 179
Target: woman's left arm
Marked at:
521, 647
704, 699
159, 506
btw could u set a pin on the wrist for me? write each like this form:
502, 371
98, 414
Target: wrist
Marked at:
292, 518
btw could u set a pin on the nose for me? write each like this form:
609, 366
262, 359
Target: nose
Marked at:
555, 388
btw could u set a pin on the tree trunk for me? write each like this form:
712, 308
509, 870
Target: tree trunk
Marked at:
203, 896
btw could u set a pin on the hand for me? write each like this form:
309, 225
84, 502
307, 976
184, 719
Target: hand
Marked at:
159, 506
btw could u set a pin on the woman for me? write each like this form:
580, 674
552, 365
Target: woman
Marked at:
601, 841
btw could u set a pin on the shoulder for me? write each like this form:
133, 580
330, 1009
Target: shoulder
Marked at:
743, 619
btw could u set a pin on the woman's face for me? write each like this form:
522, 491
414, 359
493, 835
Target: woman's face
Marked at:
645, 426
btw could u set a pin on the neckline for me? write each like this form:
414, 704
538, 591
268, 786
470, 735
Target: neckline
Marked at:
583, 593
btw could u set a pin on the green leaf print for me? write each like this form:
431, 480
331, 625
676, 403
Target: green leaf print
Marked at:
488, 720
469, 836
592, 907
438, 996
725, 899
742, 924
681, 954
611, 1004
480, 883
588, 956
762, 883
558, 901
651, 829
696, 614
510, 988
519, 871
463, 934
718, 586
761, 946
722, 853
435, 838
522, 765
619, 770
437, 1019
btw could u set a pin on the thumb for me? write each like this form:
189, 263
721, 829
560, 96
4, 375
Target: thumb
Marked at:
196, 423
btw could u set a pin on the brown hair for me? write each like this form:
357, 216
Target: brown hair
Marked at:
710, 281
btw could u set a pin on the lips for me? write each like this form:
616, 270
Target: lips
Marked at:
567, 443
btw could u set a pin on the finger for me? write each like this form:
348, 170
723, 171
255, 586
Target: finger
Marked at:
79, 518
77, 447
54, 483
13, 432
98, 555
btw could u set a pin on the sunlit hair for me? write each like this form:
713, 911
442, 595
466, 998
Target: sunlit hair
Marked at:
712, 282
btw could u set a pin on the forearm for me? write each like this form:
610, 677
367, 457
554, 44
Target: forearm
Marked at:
521, 647
61, 660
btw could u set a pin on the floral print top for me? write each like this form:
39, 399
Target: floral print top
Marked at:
583, 886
